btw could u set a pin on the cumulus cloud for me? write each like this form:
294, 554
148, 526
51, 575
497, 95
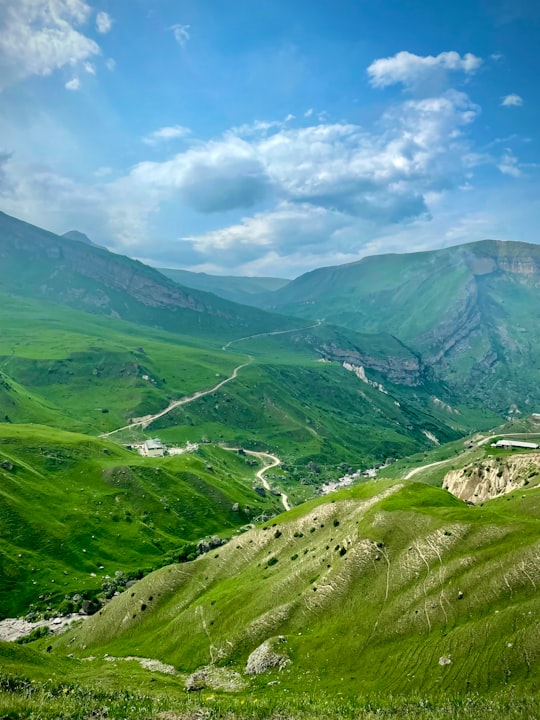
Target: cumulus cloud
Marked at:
38, 37
512, 100
171, 132
215, 177
104, 23
73, 84
288, 227
181, 34
379, 176
412, 70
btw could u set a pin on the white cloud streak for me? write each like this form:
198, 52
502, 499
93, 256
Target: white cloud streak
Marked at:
172, 132
73, 84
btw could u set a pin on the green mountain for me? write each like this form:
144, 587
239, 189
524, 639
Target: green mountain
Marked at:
41, 265
235, 288
471, 312
394, 588
79, 237
314, 393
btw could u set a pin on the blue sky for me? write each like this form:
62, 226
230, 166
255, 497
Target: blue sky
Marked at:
265, 137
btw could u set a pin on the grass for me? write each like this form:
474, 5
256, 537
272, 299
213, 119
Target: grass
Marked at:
386, 580
91, 374
75, 509
33, 686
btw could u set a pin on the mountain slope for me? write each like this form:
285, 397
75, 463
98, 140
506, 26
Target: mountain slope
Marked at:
393, 588
237, 289
470, 311
74, 509
38, 264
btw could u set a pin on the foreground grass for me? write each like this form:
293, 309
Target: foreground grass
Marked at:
22, 698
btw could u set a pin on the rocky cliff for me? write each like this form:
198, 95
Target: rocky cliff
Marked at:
493, 476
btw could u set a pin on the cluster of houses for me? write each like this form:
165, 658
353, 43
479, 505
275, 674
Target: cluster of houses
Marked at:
155, 448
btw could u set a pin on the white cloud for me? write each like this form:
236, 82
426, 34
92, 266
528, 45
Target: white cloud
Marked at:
181, 34
104, 23
308, 113
512, 100
38, 37
508, 164
110, 64
74, 84
412, 70
89, 68
380, 176
166, 133
288, 227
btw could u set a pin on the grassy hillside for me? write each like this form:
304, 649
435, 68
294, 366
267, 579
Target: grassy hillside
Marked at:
38, 264
235, 288
81, 372
75, 509
471, 312
383, 588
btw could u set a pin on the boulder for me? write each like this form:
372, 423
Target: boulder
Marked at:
269, 655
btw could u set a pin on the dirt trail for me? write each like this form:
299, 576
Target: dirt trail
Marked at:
149, 419
275, 332
274, 462
416, 470
482, 441
486, 439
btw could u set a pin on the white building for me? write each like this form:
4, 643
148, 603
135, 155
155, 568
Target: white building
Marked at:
516, 444
153, 448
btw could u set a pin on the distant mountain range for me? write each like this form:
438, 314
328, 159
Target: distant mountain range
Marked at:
467, 314
39, 264
238, 289
471, 312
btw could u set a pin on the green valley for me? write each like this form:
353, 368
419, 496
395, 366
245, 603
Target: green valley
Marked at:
390, 595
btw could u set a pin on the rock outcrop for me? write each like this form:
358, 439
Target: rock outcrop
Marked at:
493, 476
270, 654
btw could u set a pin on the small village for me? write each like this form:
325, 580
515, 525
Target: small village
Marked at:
155, 448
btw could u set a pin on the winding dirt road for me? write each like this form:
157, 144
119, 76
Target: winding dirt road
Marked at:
416, 470
149, 419
274, 462
275, 332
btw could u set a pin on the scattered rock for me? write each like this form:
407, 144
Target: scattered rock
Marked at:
443, 660
266, 656
196, 682
215, 678
236, 507
203, 546
6, 465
